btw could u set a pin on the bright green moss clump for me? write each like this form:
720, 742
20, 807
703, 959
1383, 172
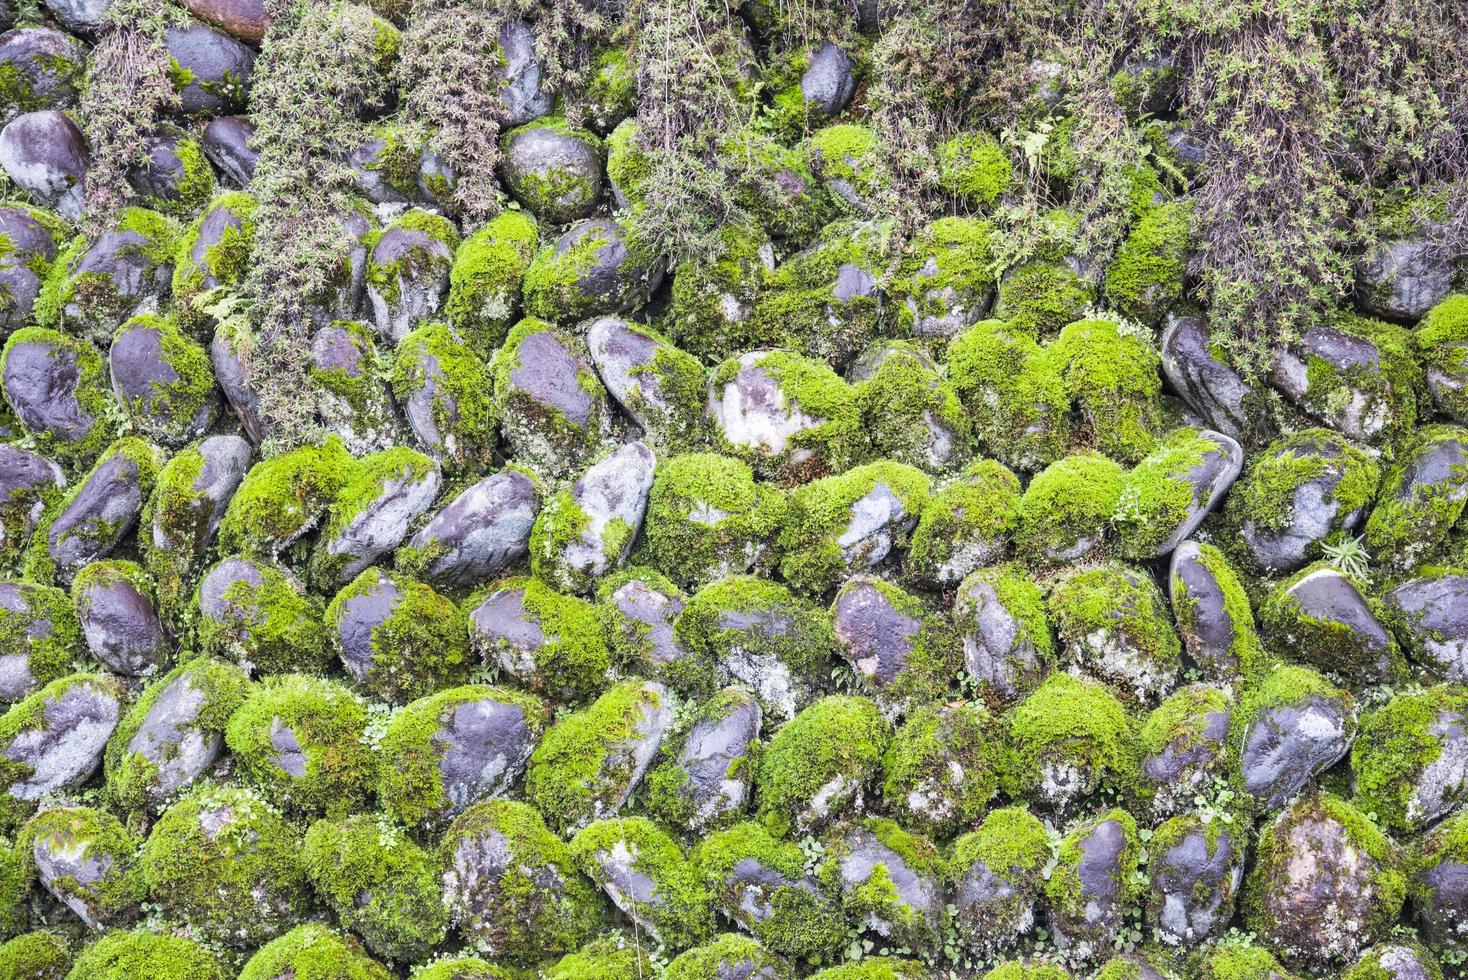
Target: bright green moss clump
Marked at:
464, 968
15, 889
136, 782
1017, 970
1146, 278
1157, 497
484, 282
1394, 747
816, 766
975, 168
462, 409
300, 739
91, 392
707, 518
184, 515
606, 850
946, 282
813, 539
1068, 739
421, 646
514, 914
409, 780
966, 524
1442, 345
35, 956
570, 660
845, 156
380, 884
604, 959
143, 953
942, 767
1412, 520
224, 861
1113, 379
1013, 846
270, 628
1012, 393
313, 952
1392, 959
282, 497
712, 298
588, 763
911, 414
1187, 732
714, 960
1040, 297
46, 632
1067, 508
85, 834
1114, 623
802, 922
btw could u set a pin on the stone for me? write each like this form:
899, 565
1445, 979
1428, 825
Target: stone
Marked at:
1195, 876
648, 377
1440, 885
100, 513
225, 460
1403, 278
414, 268
53, 384
642, 616
47, 68
84, 858
80, 16
227, 144
587, 531
553, 411
173, 738
355, 404
73, 719
524, 97
211, 70
32, 250
404, 487
45, 154
589, 272
480, 533
829, 80
714, 758
119, 623
482, 747
1350, 380
166, 179
39, 634
120, 275
27, 481
1430, 616
1287, 744
244, 19
913, 899
554, 171
1205, 593
1421, 499
1210, 386
164, 380
1092, 888
1321, 616
1184, 748
876, 638
235, 377
1139, 527
1002, 651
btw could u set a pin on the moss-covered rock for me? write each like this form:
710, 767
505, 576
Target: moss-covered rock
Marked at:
996, 874
1421, 498
445, 752
283, 498
163, 379
590, 762
531, 906
638, 608
707, 518
1291, 725
1442, 345
1323, 617
586, 530
905, 653
1148, 275
352, 395
1040, 297
144, 952
53, 741
645, 874
712, 299
702, 778
849, 523
596, 268
942, 768
875, 968
33, 485
1007, 643
604, 959
846, 158
1212, 611
973, 167
1012, 392
72, 416
172, 734
224, 861
729, 953
398, 638
789, 416
910, 413
888, 879
547, 642
1114, 625
464, 968
313, 951
39, 636
301, 740
1182, 748
407, 271
213, 252
553, 169
1112, 377
1066, 510
966, 524
1166, 496
1094, 881
86, 859
484, 281
260, 616
115, 604
380, 884
35, 956
818, 766
946, 280
1068, 739
552, 407
658, 384
1195, 869
448, 397
1410, 758
755, 632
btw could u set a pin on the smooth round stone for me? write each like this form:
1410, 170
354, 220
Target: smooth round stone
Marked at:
45, 154
829, 81
226, 141
121, 626
217, 65
48, 63
244, 19
481, 533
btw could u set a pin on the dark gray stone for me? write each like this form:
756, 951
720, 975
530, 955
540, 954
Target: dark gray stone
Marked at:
236, 378
226, 142
1364, 414
537, 159
645, 616
66, 747
1314, 514
875, 638
78, 870
715, 786
1442, 905
1329, 623
45, 155
1208, 385
42, 382
614, 282
80, 16
1431, 619
218, 68
379, 525
1210, 479
1287, 746
226, 460
139, 365
1088, 921
1421, 499
994, 912
20, 278
505, 633
31, 616
121, 626
360, 615
135, 281
1403, 279
552, 419
482, 532
218, 221
482, 746
1193, 886
626, 360
101, 513
477, 862
171, 738
829, 81
48, 63
164, 175
419, 266
524, 96
1188, 764
1210, 634
26, 479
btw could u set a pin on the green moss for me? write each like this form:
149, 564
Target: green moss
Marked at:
82, 833
1040, 297
848, 153
224, 263
1017, 970
282, 497
133, 782
911, 414
664, 798
815, 559
816, 764
611, 94
946, 281
973, 167
1013, 394
1146, 278
1384, 962
409, 782
1338, 646
170, 412
1068, 739
1394, 746
1411, 521
225, 862
48, 651
713, 960
36, 956
317, 725
421, 647
942, 768
876, 900
419, 260
1372, 399
1157, 496
1246, 651
1113, 379
1032, 650
629, 167
553, 288
62, 74
92, 303
966, 523
1442, 345
933, 655
484, 282
1067, 508
712, 297
604, 959
128, 955
313, 952
1114, 623
641, 648
271, 628
681, 916
830, 445
779, 189
15, 889
463, 407
368, 481
195, 187
184, 514
514, 914
707, 517
572, 658
1013, 844
584, 766
92, 394
18, 509
464, 968
367, 857
801, 923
